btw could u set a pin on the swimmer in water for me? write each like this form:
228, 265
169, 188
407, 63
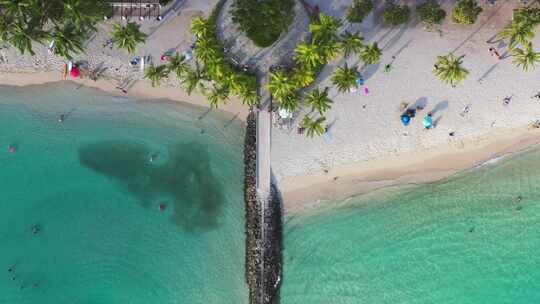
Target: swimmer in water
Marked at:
12, 149
152, 157
61, 118
35, 229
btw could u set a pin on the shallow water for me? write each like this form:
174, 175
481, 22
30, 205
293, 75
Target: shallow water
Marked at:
89, 185
467, 239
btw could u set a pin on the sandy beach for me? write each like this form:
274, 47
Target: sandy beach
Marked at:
367, 146
140, 90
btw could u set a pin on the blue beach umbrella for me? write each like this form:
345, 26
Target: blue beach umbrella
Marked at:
405, 119
428, 121
360, 80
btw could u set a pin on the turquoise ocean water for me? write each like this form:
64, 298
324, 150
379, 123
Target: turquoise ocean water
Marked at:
467, 239
89, 186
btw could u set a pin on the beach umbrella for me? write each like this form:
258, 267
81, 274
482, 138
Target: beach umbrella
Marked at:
428, 121
405, 119
75, 72
283, 113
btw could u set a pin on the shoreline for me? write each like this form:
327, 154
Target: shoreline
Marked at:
140, 90
306, 192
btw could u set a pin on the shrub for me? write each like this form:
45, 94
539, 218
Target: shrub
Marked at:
430, 12
396, 15
466, 12
359, 10
263, 22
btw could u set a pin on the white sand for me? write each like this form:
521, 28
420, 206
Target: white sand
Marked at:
364, 139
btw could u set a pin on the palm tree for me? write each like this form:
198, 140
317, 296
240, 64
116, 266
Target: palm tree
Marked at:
329, 50
191, 80
371, 54
307, 54
351, 43
200, 27
216, 95
280, 85
344, 78
206, 49
178, 65
249, 96
20, 38
155, 74
127, 37
289, 102
302, 77
325, 29
517, 32
449, 70
319, 100
313, 126
526, 59
67, 40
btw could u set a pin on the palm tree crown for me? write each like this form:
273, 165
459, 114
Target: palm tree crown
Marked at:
517, 32
319, 100
280, 84
307, 54
178, 65
344, 78
313, 126
371, 54
527, 58
128, 36
155, 74
351, 43
449, 70
325, 29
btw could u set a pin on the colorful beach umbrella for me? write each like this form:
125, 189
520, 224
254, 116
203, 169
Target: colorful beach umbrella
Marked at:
428, 121
75, 72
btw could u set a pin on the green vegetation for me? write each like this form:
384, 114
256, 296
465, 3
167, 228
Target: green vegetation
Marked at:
396, 15
127, 37
466, 12
449, 70
359, 10
156, 74
430, 12
371, 53
313, 126
263, 21
68, 22
225, 78
351, 43
319, 100
527, 58
344, 78
521, 28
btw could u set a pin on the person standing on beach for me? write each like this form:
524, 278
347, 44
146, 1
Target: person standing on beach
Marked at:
493, 51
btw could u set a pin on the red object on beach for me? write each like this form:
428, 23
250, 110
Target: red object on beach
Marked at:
75, 72
162, 207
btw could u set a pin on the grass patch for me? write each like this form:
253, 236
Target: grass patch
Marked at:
263, 22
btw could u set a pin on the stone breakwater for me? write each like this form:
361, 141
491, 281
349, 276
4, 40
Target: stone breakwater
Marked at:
253, 212
272, 248
263, 255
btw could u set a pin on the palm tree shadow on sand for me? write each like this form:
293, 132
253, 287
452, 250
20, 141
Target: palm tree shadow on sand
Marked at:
185, 178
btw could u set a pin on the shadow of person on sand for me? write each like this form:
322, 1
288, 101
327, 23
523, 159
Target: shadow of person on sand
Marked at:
439, 107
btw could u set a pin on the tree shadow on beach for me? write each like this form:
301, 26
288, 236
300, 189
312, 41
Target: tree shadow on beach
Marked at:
184, 179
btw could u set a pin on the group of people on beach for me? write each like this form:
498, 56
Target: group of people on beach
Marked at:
410, 113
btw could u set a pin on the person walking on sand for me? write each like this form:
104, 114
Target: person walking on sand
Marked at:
493, 51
